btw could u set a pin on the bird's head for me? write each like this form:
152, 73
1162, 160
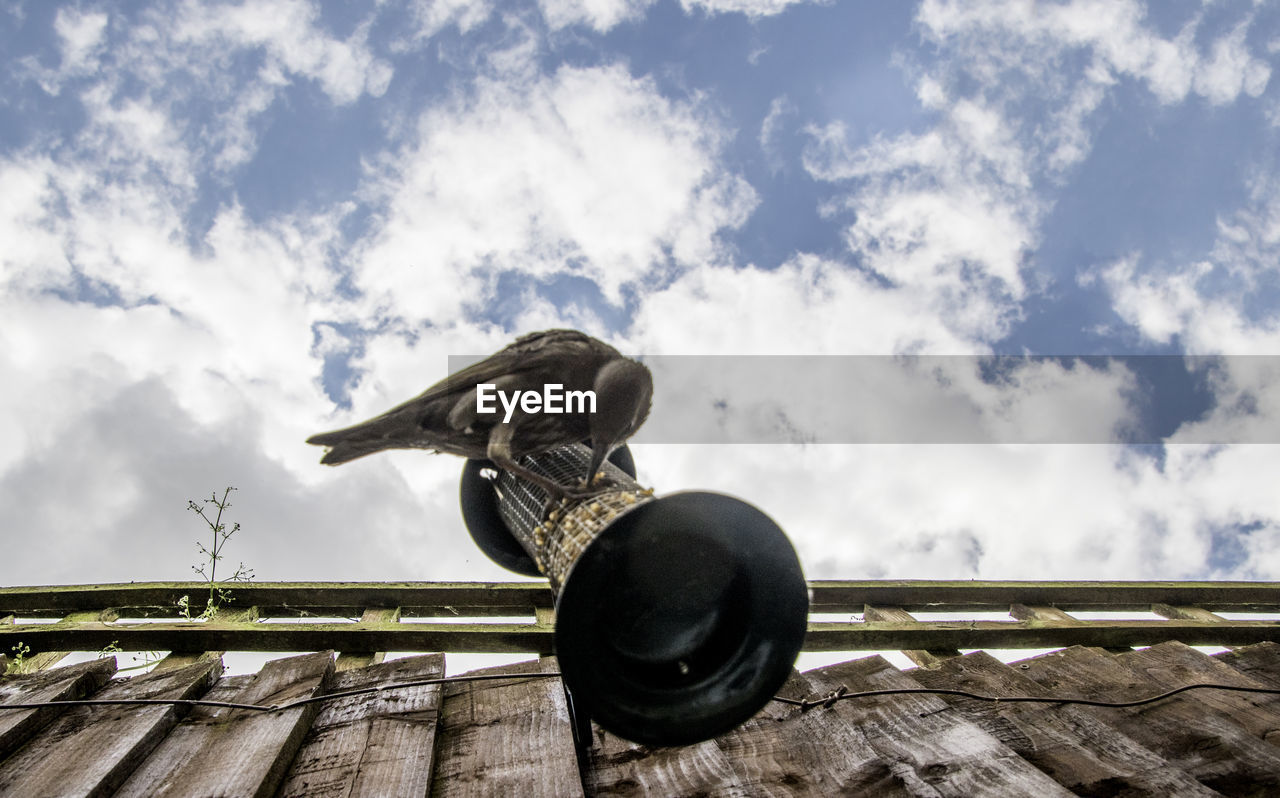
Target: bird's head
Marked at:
624, 391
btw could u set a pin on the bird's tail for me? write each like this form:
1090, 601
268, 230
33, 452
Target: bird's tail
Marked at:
375, 435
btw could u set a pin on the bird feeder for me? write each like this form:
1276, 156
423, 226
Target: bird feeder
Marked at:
677, 617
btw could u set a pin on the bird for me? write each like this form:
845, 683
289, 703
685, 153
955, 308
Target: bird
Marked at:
446, 417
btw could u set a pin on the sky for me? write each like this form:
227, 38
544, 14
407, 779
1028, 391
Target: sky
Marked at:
225, 226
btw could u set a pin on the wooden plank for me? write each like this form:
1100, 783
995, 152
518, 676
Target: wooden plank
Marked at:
348, 660
928, 747
876, 636
223, 635
60, 684
919, 656
616, 766
218, 751
1056, 618
1073, 747
423, 599
47, 659
373, 744
1260, 662
1205, 744
1173, 665
784, 752
1186, 613
972, 595
89, 751
159, 599
504, 738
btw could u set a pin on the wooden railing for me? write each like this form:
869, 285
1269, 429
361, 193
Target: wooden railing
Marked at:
361, 618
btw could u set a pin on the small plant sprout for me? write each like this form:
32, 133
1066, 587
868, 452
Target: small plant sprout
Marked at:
112, 649
211, 554
18, 663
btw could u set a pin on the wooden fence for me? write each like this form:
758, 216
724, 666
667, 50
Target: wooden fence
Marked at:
511, 736
360, 618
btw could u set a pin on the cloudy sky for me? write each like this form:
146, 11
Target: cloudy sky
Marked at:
225, 226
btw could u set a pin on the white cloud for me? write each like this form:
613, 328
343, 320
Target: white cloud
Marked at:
806, 306
600, 15
771, 131
943, 214
998, 34
434, 16
953, 212
286, 30
604, 15
1205, 303
987, 511
587, 171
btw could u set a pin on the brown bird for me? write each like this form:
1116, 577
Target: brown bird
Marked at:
446, 417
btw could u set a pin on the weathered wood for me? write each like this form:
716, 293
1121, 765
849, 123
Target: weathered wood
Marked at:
220, 635
616, 766
1260, 662
427, 599
928, 747
536, 638
217, 751
1073, 747
43, 660
784, 752
897, 615
506, 738
160, 599
1172, 665
1052, 617
376, 744
928, 635
61, 684
1186, 613
89, 751
960, 596
1205, 744
349, 660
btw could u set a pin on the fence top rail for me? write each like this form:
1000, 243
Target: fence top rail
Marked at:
431, 599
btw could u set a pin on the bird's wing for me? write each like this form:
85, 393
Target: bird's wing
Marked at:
513, 361
442, 406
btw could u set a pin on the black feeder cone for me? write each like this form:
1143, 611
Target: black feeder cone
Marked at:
677, 618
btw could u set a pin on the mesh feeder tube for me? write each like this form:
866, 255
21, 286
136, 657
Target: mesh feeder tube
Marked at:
677, 617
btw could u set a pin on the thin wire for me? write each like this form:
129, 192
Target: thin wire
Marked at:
200, 702
804, 704
831, 698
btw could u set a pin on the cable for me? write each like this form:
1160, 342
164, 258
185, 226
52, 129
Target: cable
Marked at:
840, 695
200, 702
805, 705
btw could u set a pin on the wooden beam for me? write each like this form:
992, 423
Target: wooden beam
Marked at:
160, 599
919, 656
875, 636
219, 635
372, 616
478, 599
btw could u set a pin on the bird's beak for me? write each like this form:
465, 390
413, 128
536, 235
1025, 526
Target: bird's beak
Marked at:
599, 453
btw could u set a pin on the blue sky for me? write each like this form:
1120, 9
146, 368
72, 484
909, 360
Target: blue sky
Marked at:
227, 225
